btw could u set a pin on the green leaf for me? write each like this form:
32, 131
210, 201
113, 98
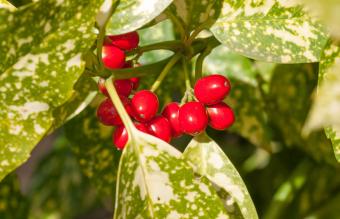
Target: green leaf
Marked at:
326, 108
133, 14
155, 182
7, 5
43, 74
193, 14
274, 31
12, 203
208, 160
92, 145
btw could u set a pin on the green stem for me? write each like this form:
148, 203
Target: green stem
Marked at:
199, 62
178, 24
173, 45
186, 75
165, 71
120, 107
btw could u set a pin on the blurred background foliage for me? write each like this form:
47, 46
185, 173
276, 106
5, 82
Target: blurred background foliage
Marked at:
287, 174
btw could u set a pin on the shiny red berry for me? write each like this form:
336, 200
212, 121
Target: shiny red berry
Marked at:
193, 118
212, 89
159, 127
170, 112
145, 105
142, 127
107, 113
221, 116
123, 87
113, 57
120, 137
125, 41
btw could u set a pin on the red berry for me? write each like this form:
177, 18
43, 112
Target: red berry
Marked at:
159, 127
113, 57
170, 112
120, 137
145, 105
212, 89
101, 87
135, 83
193, 118
221, 116
125, 41
107, 113
123, 87
142, 127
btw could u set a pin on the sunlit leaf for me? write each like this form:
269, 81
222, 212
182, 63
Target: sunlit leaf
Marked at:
155, 182
92, 144
133, 14
274, 31
40, 71
7, 5
209, 160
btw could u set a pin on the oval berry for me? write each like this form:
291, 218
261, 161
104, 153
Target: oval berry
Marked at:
125, 41
107, 113
113, 57
171, 112
221, 116
145, 105
193, 118
120, 137
159, 127
212, 89
142, 127
123, 87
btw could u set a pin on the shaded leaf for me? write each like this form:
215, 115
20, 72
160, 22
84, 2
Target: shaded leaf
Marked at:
155, 182
209, 160
274, 31
133, 14
43, 76
92, 145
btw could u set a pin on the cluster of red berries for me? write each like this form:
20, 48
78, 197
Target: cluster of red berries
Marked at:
190, 118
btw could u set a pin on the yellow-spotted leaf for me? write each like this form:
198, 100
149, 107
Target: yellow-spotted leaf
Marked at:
209, 160
155, 182
41, 59
274, 31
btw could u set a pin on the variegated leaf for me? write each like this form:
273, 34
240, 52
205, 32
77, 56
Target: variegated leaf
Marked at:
133, 14
40, 70
326, 108
192, 14
208, 160
92, 145
274, 31
155, 182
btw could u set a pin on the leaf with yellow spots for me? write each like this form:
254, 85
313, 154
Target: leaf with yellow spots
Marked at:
92, 145
133, 14
155, 182
273, 31
326, 108
38, 72
208, 160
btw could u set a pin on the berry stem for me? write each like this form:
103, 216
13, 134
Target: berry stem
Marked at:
165, 71
173, 45
186, 74
177, 24
199, 62
120, 107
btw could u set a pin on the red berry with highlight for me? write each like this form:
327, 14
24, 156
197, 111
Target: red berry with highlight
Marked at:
212, 89
159, 127
145, 105
127, 41
120, 137
171, 112
113, 57
193, 118
221, 116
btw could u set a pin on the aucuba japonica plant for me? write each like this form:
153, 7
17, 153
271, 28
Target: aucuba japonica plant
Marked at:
169, 109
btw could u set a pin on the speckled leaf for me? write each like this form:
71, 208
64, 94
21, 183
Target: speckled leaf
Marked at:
209, 160
133, 14
42, 76
274, 31
12, 203
155, 182
326, 108
192, 14
245, 97
92, 145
